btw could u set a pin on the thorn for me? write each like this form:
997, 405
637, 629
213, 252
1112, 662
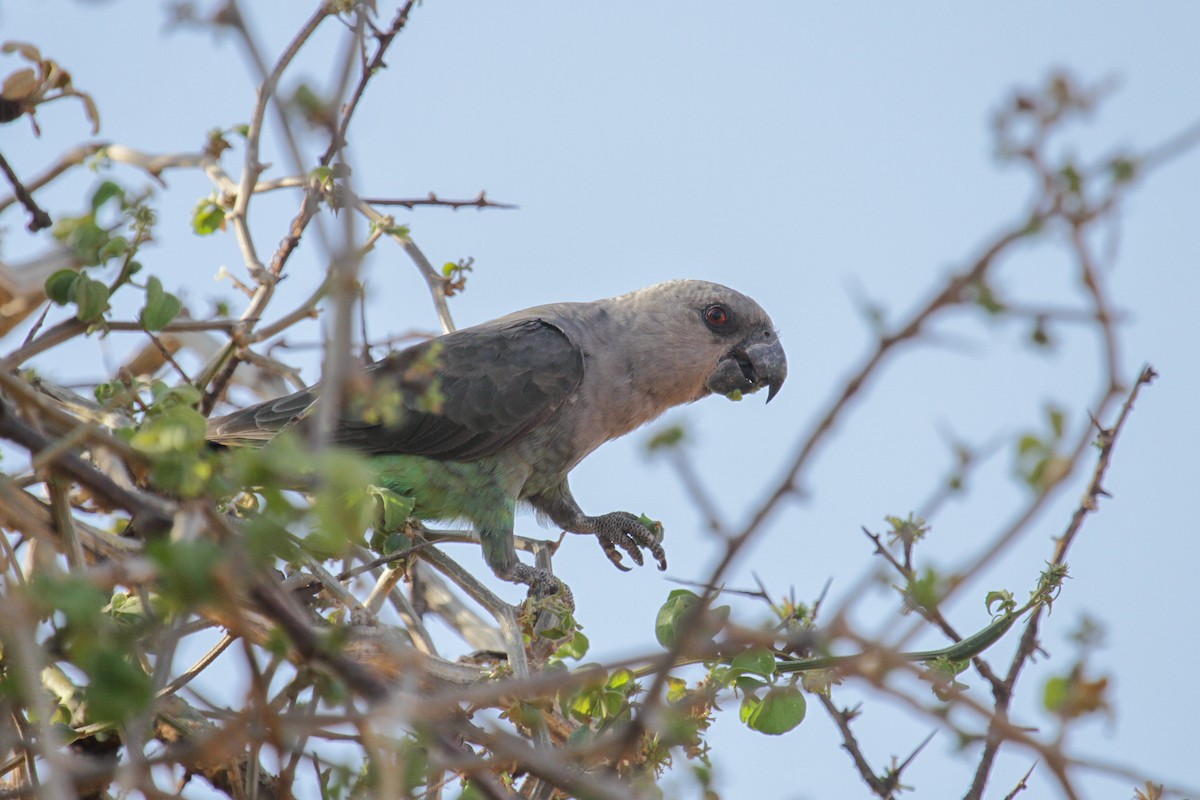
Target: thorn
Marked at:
1021, 784
914, 753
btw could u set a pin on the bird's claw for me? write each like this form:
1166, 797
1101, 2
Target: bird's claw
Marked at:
623, 531
542, 584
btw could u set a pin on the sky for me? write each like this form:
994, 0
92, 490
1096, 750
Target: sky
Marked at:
814, 156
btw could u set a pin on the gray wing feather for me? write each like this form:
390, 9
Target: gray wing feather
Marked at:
497, 382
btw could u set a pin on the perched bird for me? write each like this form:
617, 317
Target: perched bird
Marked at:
498, 414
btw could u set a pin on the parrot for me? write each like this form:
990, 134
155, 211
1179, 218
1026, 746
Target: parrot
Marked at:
482, 420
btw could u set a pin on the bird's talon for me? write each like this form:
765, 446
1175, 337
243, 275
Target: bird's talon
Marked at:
621, 531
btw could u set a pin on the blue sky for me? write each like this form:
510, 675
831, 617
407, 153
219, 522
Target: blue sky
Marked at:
810, 155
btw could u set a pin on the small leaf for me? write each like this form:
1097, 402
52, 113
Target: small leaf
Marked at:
670, 436
114, 248
207, 218
748, 684
1054, 696
91, 297
1003, 599
189, 572
1123, 169
161, 306
60, 287
621, 680
679, 603
677, 689
781, 710
391, 509
1058, 421
576, 648
117, 688
654, 526
83, 236
757, 660
105, 192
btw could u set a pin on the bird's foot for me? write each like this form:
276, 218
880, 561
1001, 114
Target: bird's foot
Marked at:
542, 584
621, 530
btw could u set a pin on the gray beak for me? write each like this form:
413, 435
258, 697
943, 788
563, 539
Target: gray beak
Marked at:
746, 369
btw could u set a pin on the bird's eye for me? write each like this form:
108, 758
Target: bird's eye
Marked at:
717, 316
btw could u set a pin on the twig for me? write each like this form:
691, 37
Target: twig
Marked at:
376, 63
150, 515
1022, 784
38, 219
435, 281
1003, 692
841, 718
480, 201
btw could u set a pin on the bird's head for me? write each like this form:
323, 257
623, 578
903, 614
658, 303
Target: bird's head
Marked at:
728, 337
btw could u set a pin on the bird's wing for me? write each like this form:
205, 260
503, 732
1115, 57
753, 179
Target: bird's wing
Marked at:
460, 397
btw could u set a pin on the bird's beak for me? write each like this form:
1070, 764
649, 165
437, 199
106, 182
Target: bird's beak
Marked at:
748, 367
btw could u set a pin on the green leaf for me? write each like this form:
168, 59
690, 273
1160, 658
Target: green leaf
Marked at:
117, 688
757, 660
1123, 169
105, 192
926, 590
679, 603
670, 436
576, 648
91, 297
388, 543
941, 674
207, 217
1058, 421
778, 712
391, 509
563, 628
188, 571
1030, 444
654, 526
161, 306
177, 428
60, 287
81, 603
748, 684
621, 680
184, 395
342, 503
115, 247
1055, 695
1003, 599
83, 236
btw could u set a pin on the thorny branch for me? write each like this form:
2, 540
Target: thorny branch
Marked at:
1003, 691
326, 658
1066, 205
